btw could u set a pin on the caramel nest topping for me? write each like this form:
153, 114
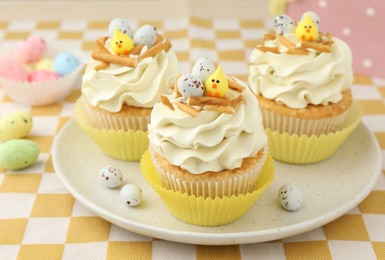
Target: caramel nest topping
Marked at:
106, 58
323, 44
218, 104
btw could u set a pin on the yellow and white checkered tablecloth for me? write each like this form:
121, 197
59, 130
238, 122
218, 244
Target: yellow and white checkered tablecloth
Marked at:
39, 218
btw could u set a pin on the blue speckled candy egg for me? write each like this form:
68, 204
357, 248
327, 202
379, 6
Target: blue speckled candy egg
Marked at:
146, 35
290, 197
190, 85
121, 25
65, 63
204, 68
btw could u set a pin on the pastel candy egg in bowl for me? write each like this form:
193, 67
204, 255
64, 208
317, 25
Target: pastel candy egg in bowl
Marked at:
12, 70
45, 64
42, 75
31, 50
65, 63
36, 88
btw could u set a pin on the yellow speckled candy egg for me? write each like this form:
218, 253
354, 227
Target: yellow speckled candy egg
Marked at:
45, 64
15, 125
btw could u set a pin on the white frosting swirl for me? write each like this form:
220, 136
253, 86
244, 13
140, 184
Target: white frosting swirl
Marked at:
299, 80
212, 141
141, 86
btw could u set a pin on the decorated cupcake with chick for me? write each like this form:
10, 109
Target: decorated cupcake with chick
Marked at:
302, 80
126, 76
207, 147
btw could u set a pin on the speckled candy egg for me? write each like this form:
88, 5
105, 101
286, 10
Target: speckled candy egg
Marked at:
203, 68
314, 16
17, 154
15, 125
42, 75
45, 64
12, 70
31, 50
110, 177
284, 24
290, 197
190, 85
121, 25
131, 195
65, 63
145, 35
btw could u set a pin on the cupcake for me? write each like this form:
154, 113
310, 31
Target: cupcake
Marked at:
125, 77
35, 73
207, 143
301, 78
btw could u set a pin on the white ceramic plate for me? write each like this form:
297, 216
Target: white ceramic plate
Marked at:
330, 189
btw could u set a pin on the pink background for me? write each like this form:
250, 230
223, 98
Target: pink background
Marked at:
360, 23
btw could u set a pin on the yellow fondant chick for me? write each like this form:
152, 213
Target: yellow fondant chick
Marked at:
216, 85
306, 30
121, 43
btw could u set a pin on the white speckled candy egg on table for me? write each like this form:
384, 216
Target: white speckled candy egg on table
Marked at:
190, 85
204, 68
131, 195
290, 197
18, 154
110, 177
15, 125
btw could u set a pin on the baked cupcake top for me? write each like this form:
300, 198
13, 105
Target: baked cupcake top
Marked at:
210, 123
129, 68
297, 65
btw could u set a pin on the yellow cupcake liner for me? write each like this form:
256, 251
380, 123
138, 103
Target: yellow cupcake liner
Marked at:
206, 211
119, 144
305, 149
111, 121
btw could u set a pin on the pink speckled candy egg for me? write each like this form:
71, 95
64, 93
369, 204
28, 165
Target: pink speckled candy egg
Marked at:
31, 50
12, 70
42, 75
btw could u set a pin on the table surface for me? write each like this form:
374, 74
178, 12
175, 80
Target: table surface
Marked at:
39, 219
